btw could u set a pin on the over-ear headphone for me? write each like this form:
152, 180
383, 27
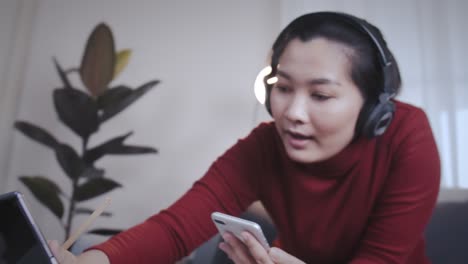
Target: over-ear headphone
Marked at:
377, 117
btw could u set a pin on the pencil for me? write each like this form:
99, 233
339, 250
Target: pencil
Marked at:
85, 225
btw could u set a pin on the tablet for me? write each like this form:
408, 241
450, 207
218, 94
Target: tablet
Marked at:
21, 241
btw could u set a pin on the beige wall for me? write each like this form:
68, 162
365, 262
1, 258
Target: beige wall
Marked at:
206, 53
15, 28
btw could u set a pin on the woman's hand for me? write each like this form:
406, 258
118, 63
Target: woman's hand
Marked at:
64, 256
252, 251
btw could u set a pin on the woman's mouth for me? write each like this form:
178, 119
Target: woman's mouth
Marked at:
297, 140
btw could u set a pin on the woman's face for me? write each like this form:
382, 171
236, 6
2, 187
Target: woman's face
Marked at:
315, 103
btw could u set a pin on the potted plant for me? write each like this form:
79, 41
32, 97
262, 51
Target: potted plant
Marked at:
84, 111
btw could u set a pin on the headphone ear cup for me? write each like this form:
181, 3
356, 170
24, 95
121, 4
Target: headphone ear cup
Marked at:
379, 119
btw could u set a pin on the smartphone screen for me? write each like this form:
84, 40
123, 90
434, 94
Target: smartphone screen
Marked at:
20, 241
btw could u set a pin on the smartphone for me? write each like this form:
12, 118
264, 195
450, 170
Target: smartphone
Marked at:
236, 225
21, 241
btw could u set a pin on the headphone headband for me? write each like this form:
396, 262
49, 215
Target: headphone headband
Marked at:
384, 56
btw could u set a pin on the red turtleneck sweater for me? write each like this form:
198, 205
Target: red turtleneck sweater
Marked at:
368, 204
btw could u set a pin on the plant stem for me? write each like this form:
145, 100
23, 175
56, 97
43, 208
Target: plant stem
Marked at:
71, 210
72, 200
83, 146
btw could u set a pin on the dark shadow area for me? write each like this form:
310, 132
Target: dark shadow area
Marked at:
447, 234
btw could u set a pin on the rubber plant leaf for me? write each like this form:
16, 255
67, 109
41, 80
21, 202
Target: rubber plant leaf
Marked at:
98, 61
89, 211
97, 152
36, 133
91, 172
105, 231
76, 110
62, 74
46, 192
115, 146
122, 59
94, 187
113, 96
127, 149
119, 103
69, 160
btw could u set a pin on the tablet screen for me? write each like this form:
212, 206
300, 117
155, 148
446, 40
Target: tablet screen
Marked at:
19, 241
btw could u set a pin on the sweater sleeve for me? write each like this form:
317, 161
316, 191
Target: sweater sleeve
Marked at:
409, 194
230, 185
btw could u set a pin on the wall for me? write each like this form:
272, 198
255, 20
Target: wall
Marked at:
206, 53
15, 28
7, 24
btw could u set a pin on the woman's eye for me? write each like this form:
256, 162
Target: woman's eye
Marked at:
282, 88
320, 97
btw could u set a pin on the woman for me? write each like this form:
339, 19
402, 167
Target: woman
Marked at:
348, 174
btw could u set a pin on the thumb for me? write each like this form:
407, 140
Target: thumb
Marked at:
281, 257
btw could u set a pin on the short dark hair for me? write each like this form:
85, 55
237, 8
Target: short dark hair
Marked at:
366, 62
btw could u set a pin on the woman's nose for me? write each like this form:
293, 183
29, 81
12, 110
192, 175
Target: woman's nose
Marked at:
297, 109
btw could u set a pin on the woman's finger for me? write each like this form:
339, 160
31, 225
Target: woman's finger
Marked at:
236, 249
256, 250
226, 249
281, 257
